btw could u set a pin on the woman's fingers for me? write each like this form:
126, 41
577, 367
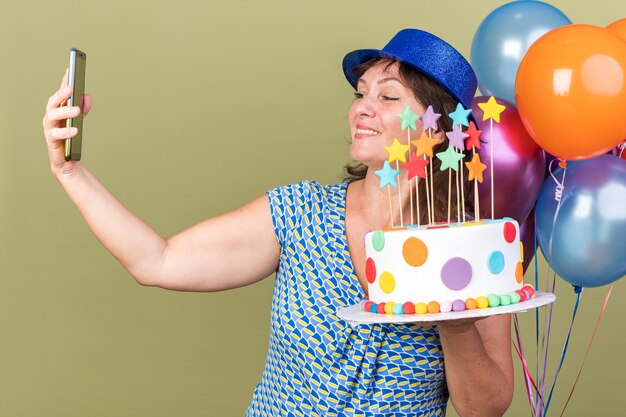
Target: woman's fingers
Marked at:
59, 97
61, 133
58, 114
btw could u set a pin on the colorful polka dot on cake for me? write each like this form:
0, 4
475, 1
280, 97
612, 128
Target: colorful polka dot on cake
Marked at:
456, 274
510, 232
496, 262
370, 270
387, 282
519, 272
378, 240
414, 251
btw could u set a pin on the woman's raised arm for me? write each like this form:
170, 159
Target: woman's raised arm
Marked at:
228, 251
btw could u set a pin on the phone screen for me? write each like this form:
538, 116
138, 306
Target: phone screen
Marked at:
78, 62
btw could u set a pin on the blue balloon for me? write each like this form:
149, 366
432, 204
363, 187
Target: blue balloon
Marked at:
585, 242
503, 38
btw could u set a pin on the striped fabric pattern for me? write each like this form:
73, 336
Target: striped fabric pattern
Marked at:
317, 364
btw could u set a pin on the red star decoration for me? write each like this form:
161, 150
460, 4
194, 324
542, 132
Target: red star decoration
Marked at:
474, 136
416, 167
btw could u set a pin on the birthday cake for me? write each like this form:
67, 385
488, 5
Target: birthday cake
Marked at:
443, 268
448, 266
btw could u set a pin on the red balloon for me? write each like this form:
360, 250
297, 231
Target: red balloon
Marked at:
518, 164
570, 91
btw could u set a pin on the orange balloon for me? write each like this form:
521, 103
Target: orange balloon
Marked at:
618, 28
570, 91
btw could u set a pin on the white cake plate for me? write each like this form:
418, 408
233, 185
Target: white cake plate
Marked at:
354, 315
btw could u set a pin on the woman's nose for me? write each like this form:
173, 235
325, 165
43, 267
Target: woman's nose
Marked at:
365, 106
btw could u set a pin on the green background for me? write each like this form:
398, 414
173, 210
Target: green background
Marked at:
200, 106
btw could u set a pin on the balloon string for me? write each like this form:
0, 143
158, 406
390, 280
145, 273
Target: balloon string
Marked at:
536, 262
545, 340
579, 292
560, 187
606, 300
528, 379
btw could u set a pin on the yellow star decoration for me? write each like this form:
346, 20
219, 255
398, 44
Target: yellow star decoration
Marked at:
397, 151
491, 109
424, 145
476, 168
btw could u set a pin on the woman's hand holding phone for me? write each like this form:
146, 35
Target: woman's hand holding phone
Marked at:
54, 125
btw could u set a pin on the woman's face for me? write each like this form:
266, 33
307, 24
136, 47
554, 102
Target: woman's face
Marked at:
373, 116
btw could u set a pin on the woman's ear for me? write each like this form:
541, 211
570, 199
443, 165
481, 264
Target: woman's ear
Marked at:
439, 136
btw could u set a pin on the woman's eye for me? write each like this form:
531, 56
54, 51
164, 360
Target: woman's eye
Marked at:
358, 95
389, 98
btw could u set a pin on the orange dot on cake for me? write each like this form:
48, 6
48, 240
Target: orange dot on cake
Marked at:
519, 272
414, 251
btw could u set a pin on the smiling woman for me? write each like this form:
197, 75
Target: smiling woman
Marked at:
312, 237
423, 91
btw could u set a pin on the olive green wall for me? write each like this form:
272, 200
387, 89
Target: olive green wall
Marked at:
199, 106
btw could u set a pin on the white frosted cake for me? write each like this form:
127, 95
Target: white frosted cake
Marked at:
442, 268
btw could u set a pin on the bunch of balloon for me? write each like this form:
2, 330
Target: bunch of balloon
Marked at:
570, 91
565, 84
503, 38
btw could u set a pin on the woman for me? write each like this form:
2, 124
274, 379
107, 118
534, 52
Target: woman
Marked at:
311, 236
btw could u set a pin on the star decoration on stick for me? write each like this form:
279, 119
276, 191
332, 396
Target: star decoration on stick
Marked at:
457, 137
450, 159
460, 115
387, 175
424, 145
476, 168
408, 118
397, 151
416, 167
491, 109
429, 119
473, 139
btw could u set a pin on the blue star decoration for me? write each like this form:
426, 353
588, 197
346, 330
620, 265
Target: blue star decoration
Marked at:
460, 115
408, 118
387, 176
450, 159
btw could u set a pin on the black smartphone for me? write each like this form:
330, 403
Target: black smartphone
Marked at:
78, 61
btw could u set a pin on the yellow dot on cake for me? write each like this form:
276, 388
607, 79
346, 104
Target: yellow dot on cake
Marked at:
414, 251
387, 282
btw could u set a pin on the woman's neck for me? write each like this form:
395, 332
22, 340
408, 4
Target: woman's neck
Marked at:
380, 207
